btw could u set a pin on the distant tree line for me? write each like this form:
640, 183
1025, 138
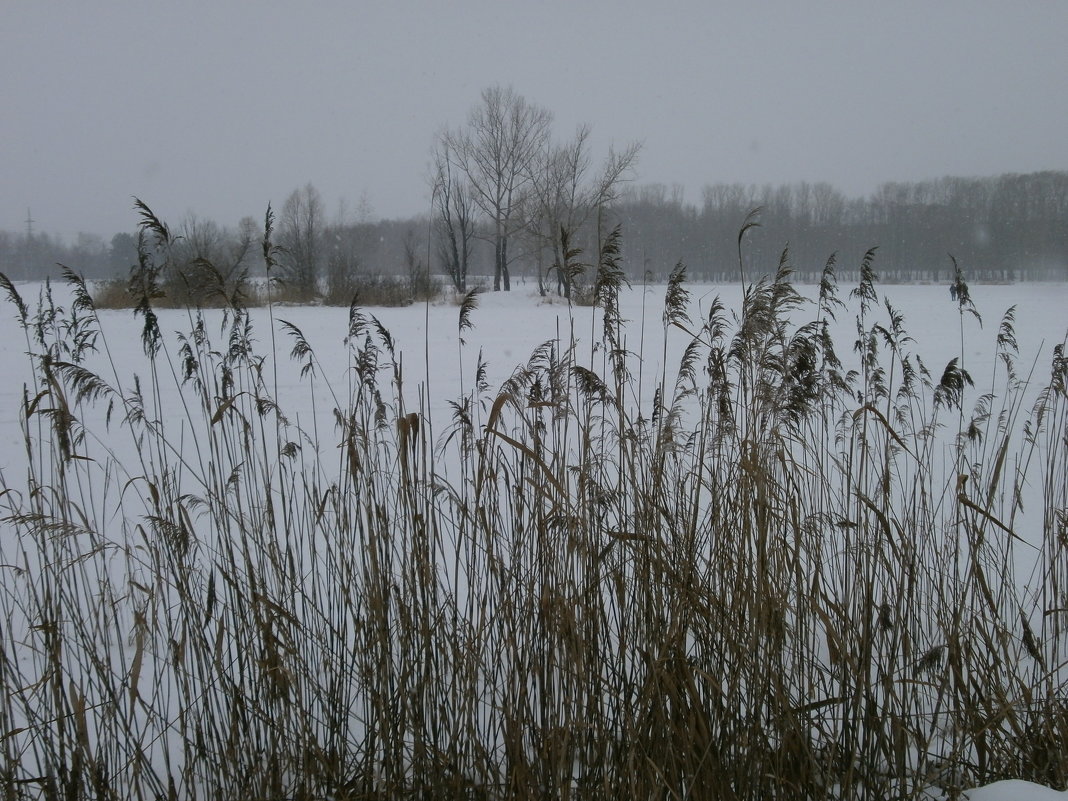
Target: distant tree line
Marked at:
317, 257
1004, 228
507, 201
34, 255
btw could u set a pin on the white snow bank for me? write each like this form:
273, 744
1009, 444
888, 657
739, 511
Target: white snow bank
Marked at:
1015, 790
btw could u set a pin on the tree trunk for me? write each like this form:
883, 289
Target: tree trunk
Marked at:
504, 265
497, 246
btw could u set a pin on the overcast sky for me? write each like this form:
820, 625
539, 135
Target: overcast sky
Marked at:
219, 107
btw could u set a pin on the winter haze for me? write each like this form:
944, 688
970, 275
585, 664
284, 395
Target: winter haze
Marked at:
220, 107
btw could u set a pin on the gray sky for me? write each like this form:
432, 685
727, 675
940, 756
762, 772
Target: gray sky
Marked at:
218, 107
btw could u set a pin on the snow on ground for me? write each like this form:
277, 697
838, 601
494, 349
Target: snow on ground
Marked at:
508, 326
1015, 791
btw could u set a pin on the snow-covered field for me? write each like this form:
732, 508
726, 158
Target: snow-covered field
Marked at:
439, 361
508, 326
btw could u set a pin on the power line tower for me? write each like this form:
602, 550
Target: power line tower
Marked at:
29, 224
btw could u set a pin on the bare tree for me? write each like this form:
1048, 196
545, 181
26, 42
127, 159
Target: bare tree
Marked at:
207, 260
348, 246
558, 205
505, 135
454, 222
616, 170
300, 233
828, 204
565, 200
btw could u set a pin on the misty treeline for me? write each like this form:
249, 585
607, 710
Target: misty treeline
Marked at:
510, 198
318, 253
1004, 228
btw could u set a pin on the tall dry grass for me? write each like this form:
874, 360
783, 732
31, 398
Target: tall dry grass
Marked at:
781, 579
